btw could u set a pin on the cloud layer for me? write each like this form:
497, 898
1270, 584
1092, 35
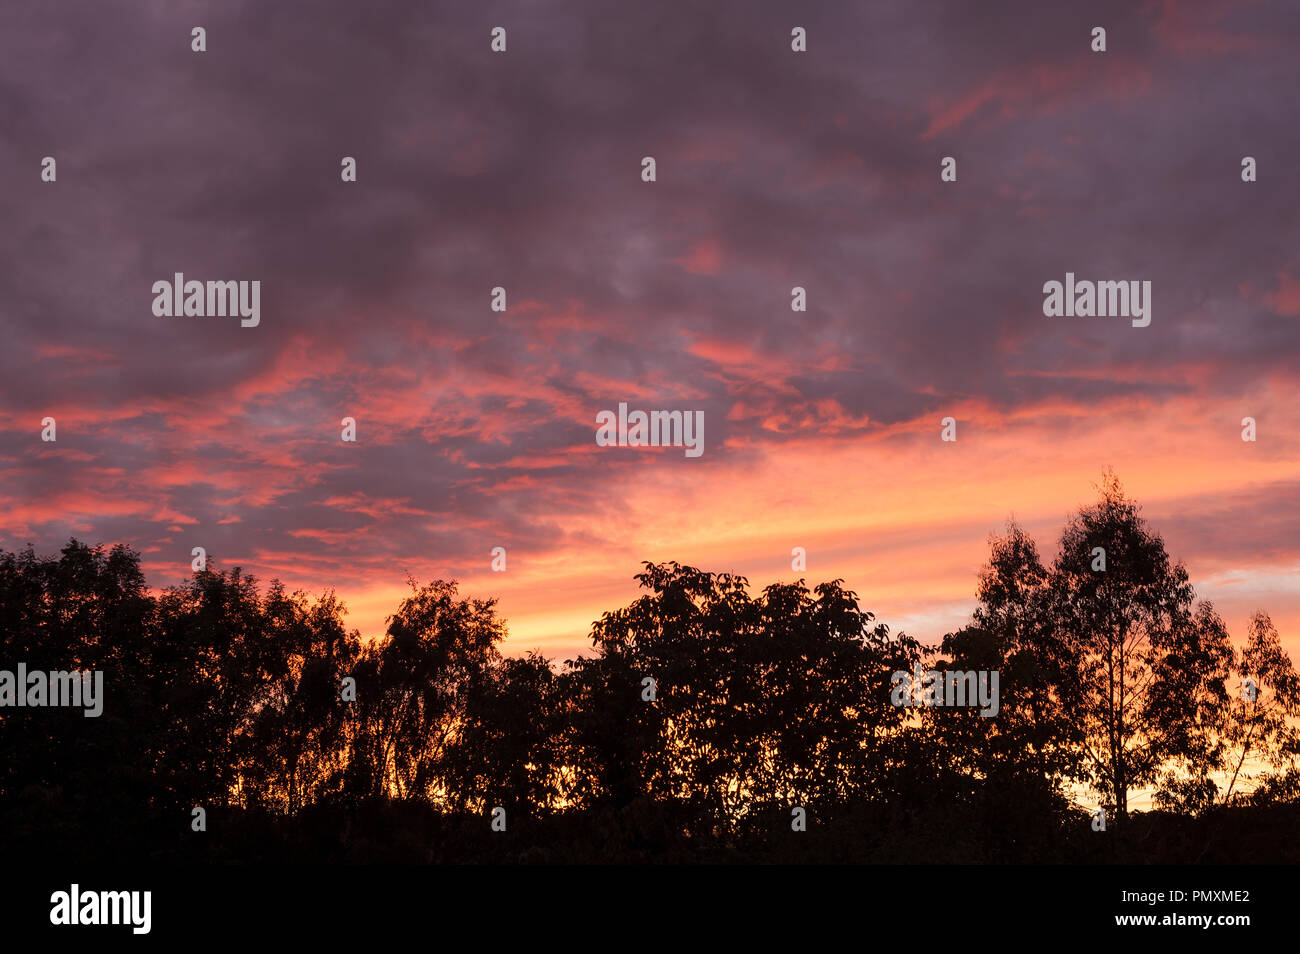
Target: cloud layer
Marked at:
522, 170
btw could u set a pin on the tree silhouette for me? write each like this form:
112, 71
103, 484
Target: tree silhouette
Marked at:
1259, 722
705, 715
1150, 671
777, 701
1013, 632
508, 750
413, 691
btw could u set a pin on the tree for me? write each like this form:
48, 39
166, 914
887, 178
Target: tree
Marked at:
1012, 632
507, 751
1150, 670
413, 691
63, 774
1258, 724
760, 703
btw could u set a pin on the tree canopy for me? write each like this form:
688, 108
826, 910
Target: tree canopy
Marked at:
707, 717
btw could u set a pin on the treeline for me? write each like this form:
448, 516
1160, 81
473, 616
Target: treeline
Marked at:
705, 717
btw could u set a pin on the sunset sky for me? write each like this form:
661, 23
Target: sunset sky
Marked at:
522, 169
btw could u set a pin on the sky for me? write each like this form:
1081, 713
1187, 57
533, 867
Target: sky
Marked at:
522, 169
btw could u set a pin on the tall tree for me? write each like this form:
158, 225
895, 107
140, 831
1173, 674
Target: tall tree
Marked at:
1150, 668
1012, 632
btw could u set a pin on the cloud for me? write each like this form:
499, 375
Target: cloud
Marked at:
522, 170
